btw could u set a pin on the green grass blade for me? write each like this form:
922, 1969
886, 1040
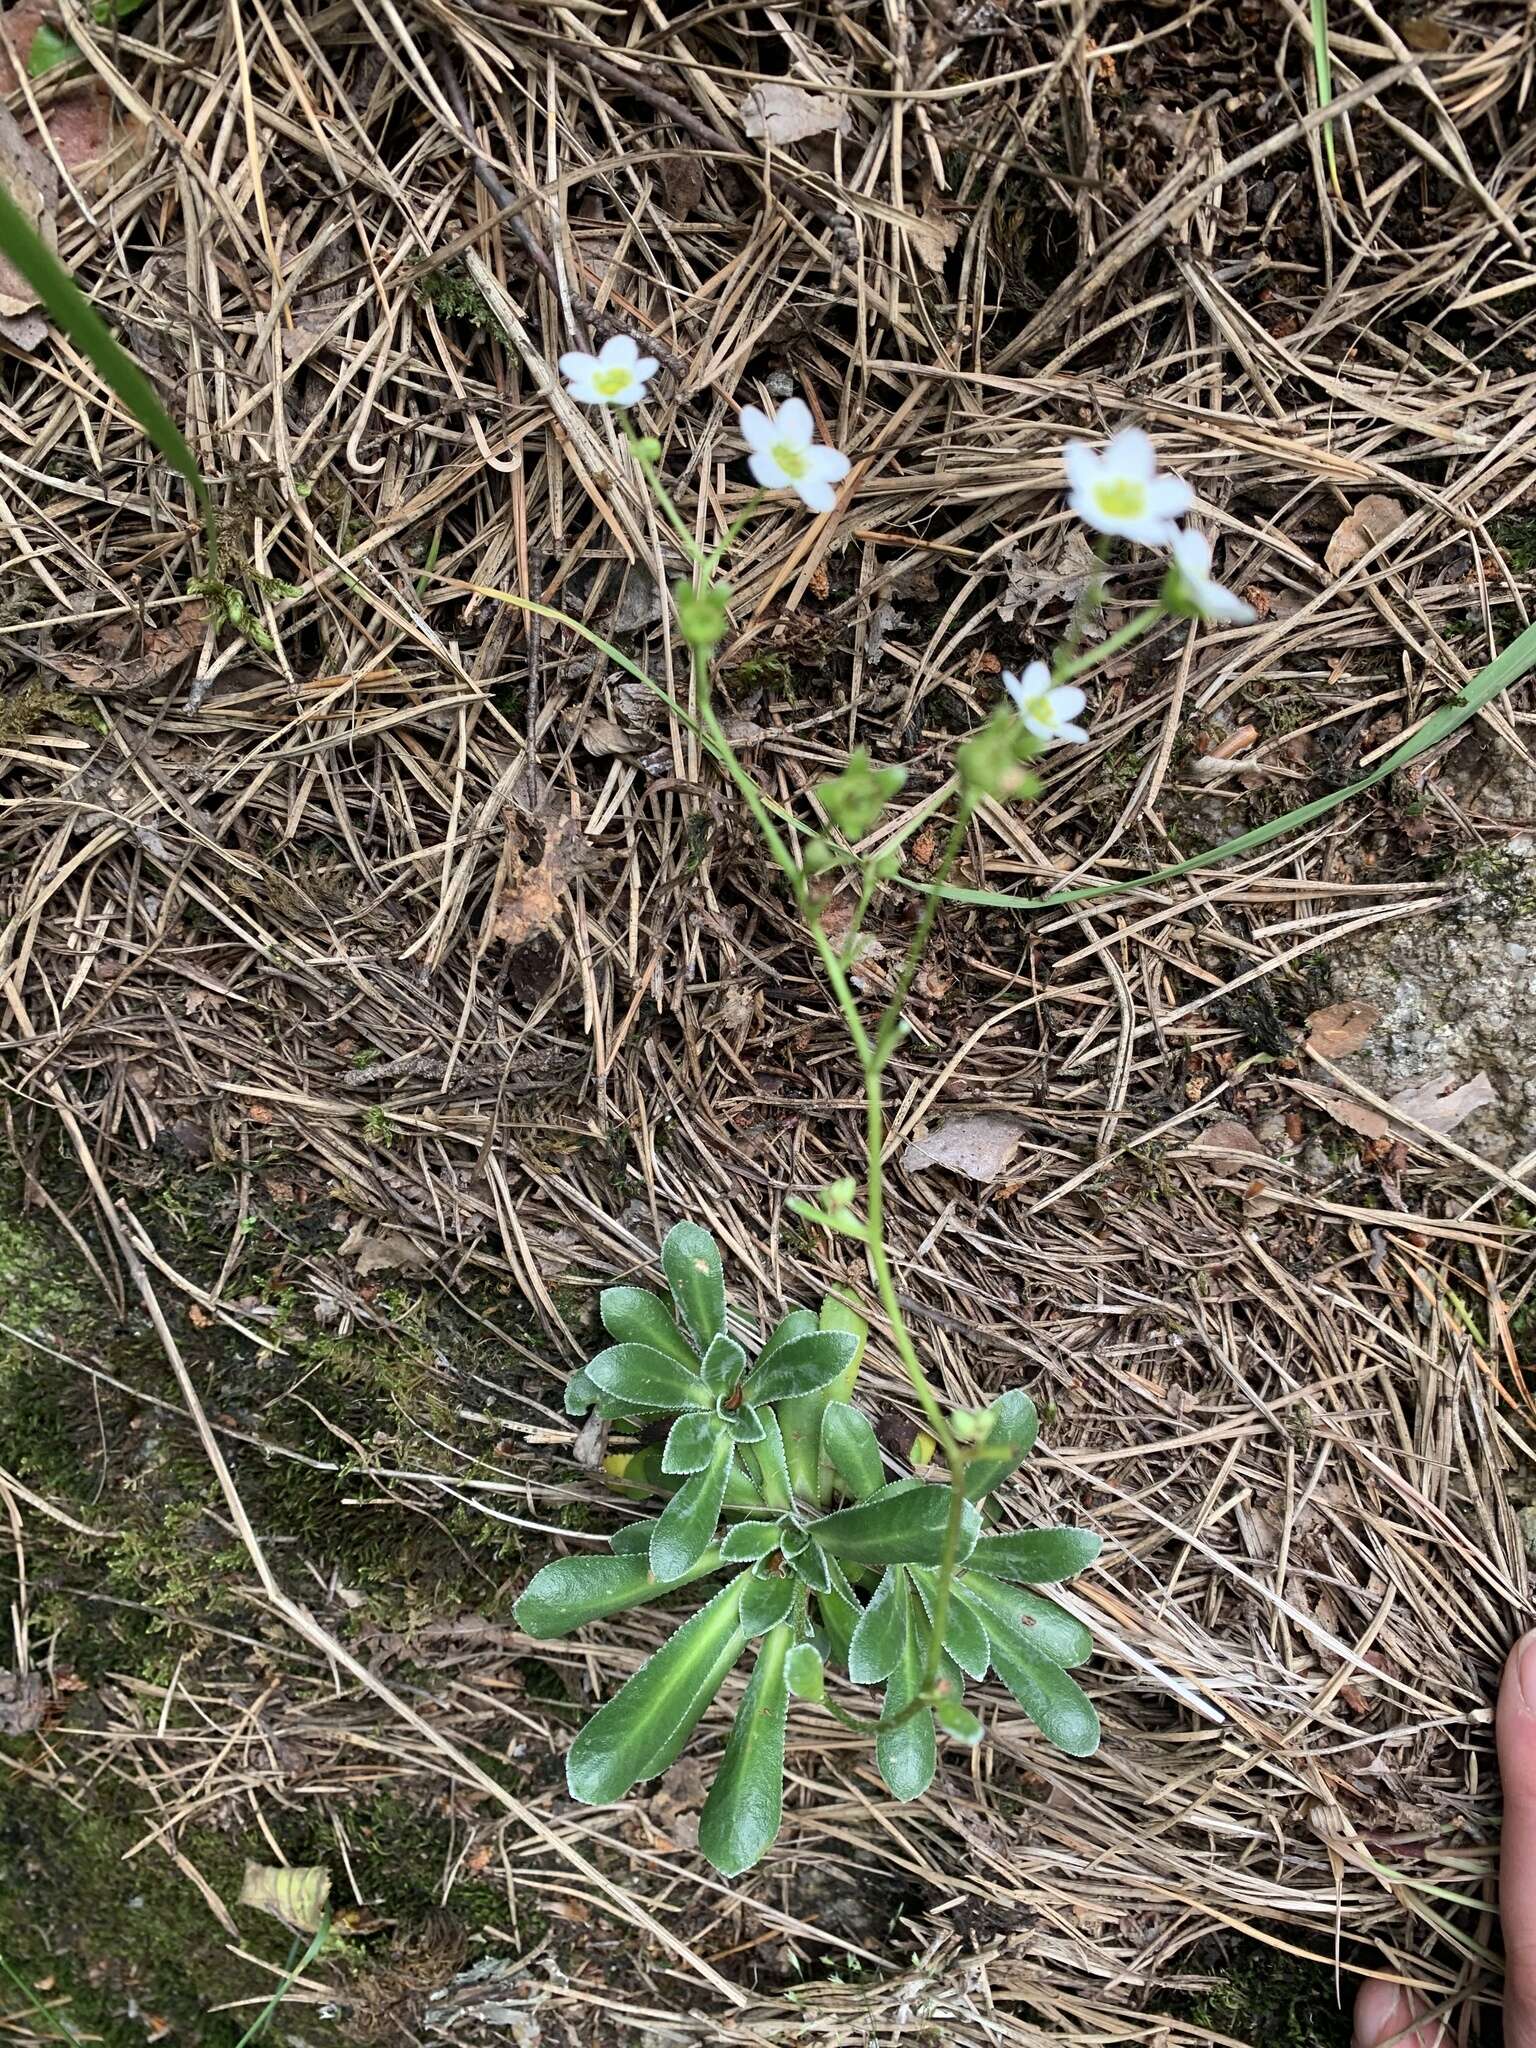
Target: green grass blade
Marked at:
75, 314
1517, 659
291, 1973
1322, 65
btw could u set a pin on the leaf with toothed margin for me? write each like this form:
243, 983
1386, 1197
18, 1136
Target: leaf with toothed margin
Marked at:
906, 1752
877, 1642
1037, 1557
686, 1526
1012, 1438
691, 1441
633, 1315
745, 1424
645, 1379
642, 1728
575, 1590
748, 1541
899, 1525
766, 1601
724, 1363
745, 1804
690, 1258
849, 1444
802, 1366
965, 1635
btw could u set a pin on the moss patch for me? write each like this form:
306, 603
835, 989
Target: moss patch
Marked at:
1271, 2000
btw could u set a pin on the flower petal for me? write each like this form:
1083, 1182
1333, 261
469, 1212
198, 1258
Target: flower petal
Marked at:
816, 493
1191, 552
793, 423
766, 471
646, 368
1081, 464
830, 464
756, 428
1169, 497
577, 363
617, 349
1130, 454
1037, 680
1066, 700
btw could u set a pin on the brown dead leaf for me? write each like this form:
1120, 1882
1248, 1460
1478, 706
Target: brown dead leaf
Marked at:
1424, 32
384, 1251
779, 113
1354, 1116
128, 659
530, 901
1441, 1102
932, 235
1357, 533
978, 1144
1226, 1134
1341, 1028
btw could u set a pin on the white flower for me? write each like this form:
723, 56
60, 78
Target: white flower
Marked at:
1046, 709
1121, 492
616, 375
1190, 590
786, 455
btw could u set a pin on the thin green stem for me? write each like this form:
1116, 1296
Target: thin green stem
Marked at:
1070, 671
659, 492
888, 1034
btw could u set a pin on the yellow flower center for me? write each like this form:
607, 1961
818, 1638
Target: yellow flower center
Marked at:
1120, 497
1039, 709
611, 383
790, 459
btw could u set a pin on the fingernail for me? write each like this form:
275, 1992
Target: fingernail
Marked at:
1525, 1670
1384, 2021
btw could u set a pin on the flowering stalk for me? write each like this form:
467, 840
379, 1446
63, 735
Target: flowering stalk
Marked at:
1120, 493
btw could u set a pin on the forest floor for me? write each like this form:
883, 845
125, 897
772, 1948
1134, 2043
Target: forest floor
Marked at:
311, 1178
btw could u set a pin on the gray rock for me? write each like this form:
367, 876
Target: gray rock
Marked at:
1456, 993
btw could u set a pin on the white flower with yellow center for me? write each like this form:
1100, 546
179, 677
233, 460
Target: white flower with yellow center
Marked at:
786, 455
1121, 491
1046, 709
616, 375
1191, 591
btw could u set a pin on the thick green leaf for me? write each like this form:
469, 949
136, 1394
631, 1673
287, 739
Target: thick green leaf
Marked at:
812, 1565
639, 1471
633, 1540
645, 1378
806, 1673
642, 1728
877, 1642
765, 1460
1037, 1557
686, 1526
745, 1424
1027, 1620
802, 1366
965, 1636
850, 1446
724, 1363
800, 1322
748, 1541
838, 1314
691, 1441
69, 307
741, 1815
580, 1393
633, 1315
900, 1525
840, 1617
1014, 1427
907, 1755
766, 1602
1057, 1704
690, 1259
575, 1590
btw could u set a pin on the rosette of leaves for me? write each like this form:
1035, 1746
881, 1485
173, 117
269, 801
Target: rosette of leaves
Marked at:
777, 1480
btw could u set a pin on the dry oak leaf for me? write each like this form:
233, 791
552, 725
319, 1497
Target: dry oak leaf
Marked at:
1341, 1029
384, 1251
158, 652
779, 113
1359, 531
1354, 1116
530, 902
978, 1144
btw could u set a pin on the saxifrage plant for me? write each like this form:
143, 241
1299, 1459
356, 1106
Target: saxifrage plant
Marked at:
777, 1480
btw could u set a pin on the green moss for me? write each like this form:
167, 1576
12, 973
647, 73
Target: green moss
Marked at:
454, 292
1272, 2000
1500, 884
23, 711
1514, 534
